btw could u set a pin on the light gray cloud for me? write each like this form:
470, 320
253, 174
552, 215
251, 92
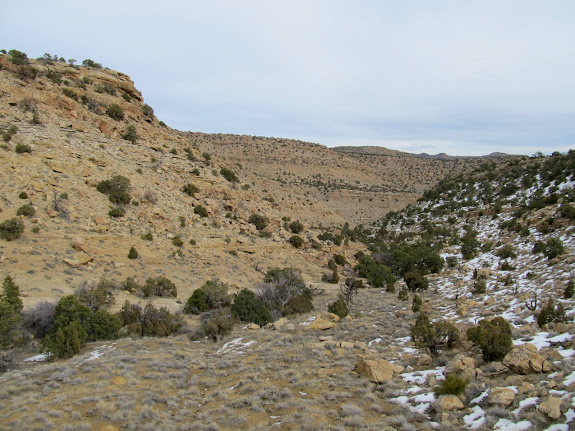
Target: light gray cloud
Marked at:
437, 76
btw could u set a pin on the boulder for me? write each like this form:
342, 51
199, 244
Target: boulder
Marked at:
462, 366
278, 324
377, 370
524, 359
321, 324
551, 408
446, 403
253, 326
80, 244
501, 396
424, 360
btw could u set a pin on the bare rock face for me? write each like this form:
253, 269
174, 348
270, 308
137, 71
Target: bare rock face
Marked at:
462, 366
446, 403
501, 396
378, 370
525, 359
551, 408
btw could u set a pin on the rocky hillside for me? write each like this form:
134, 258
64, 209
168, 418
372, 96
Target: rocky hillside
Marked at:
453, 313
360, 183
67, 128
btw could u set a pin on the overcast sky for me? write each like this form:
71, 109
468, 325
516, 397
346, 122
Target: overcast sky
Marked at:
461, 77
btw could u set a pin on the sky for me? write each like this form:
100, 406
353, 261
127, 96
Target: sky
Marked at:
456, 76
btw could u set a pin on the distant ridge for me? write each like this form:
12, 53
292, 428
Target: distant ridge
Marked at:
382, 151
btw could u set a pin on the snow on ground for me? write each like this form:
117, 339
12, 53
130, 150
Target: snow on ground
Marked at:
419, 377
543, 339
507, 425
475, 419
235, 346
38, 358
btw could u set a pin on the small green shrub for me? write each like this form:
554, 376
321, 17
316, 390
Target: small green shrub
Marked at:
7, 135
148, 111
147, 236
259, 221
117, 211
452, 385
160, 286
70, 93
480, 287
554, 248
295, 227
569, 290
332, 265
117, 188
11, 294
506, 266
331, 278
506, 252
196, 303
339, 307
434, 335
248, 307
22, 148
11, 229
115, 112
177, 241
133, 253
91, 63
23, 195
416, 303
10, 324
416, 281
296, 241
493, 337
97, 297
131, 134
190, 189
551, 313
218, 324
149, 321
201, 211
229, 175
451, 261
339, 260
26, 211
538, 247
216, 294
403, 294
17, 57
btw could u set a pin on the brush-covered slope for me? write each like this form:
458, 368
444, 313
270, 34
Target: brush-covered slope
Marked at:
360, 185
68, 128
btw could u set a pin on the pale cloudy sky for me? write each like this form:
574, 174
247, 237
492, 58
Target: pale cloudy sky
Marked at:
460, 76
